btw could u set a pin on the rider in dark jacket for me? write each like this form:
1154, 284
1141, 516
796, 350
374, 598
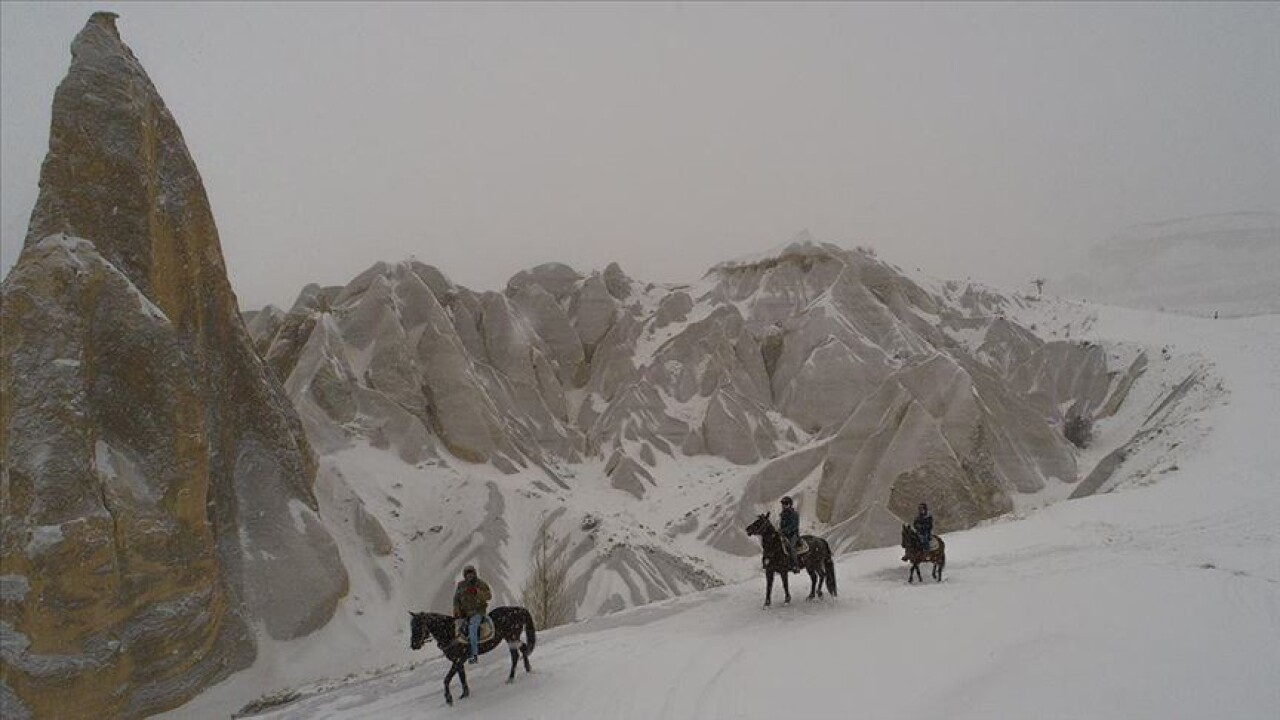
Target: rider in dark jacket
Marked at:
924, 526
789, 526
471, 601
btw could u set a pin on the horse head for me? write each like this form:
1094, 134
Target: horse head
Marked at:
420, 632
760, 525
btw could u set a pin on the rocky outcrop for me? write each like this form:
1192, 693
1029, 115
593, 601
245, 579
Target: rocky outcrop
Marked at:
404, 359
896, 392
157, 485
852, 387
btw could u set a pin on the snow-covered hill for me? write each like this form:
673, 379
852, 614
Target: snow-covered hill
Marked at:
1161, 599
1227, 264
403, 526
642, 424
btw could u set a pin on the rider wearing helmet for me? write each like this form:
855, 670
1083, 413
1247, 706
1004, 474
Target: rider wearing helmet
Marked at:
924, 526
471, 601
789, 526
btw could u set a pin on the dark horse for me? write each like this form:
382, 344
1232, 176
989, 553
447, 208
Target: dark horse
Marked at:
912, 543
817, 561
508, 622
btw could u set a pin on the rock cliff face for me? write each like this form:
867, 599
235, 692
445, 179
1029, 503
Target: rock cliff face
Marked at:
638, 416
157, 484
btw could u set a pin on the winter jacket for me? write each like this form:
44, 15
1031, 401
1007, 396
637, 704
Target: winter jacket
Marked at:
924, 525
789, 522
471, 598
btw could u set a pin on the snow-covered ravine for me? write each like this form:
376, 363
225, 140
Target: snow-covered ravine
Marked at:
1157, 600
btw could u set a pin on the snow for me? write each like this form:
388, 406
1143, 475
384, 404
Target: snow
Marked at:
1227, 264
1161, 599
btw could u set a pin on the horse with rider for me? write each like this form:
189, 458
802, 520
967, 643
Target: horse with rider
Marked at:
920, 545
474, 630
784, 551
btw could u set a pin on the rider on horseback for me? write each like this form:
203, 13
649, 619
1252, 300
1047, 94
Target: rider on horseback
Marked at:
471, 601
789, 526
924, 526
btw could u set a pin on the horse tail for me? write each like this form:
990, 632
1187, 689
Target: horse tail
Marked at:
530, 632
829, 565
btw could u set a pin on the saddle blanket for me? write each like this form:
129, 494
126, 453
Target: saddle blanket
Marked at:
486, 630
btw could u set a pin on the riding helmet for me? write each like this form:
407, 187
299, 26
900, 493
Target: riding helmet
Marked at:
786, 499
469, 570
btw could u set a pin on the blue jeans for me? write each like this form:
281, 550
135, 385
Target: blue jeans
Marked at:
926, 539
473, 633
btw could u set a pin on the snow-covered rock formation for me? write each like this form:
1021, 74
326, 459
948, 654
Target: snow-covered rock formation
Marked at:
644, 424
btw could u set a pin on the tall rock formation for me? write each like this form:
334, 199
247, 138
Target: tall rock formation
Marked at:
157, 484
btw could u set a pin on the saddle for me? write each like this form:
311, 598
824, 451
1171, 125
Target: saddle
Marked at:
802, 547
460, 628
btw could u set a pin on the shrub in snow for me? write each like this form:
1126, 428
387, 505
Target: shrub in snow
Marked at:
1079, 431
545, 592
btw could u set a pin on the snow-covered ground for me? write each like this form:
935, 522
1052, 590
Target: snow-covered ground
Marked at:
1161, 599
1227, 264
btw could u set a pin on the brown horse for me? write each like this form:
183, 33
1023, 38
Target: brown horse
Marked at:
817, 561
912, 543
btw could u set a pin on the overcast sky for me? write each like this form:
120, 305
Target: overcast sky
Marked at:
987, 141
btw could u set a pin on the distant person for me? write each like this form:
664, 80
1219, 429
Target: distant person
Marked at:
924, 526
789, 526
471, 602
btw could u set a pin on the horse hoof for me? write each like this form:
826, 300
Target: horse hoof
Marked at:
510, 680
448, 701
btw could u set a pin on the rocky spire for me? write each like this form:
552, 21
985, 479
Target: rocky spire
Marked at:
157, 485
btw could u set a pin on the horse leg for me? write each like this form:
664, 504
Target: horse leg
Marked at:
515, 660
524, 653
768, 587
448, 696
813, 585
462, 673
786, 588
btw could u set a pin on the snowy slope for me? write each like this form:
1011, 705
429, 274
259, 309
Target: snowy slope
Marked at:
1228, 263
1161, 599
